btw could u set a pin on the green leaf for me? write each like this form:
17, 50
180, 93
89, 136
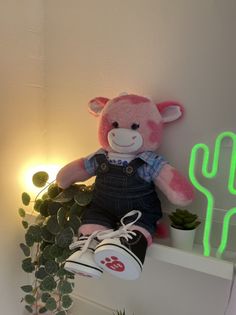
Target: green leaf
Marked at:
83, 198
67, 194
27, 288
41, 260
191, 226
25, 224
62, 216
65, 287
47, 252
39, 220
43, 244
25, 249
53, 207
48, 284
51, 267
64, 238
29, 299
74, 223
176, 220
40, 179
25, 198
42, 310
66, 301
51, 304
45, 296
56, 251
21, 212
46, 235
190, 218
29, 309
119, 312
27, 265
43, 208
61, 272
53, 226
38, 204
35, 231
76, 210
29, 239
41, 273
53, 190
70, 275
45, 196
66, 253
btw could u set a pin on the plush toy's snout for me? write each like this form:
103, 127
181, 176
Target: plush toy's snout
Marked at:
124, 140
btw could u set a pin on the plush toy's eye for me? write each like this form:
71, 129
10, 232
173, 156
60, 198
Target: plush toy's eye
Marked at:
134, 126
115, 124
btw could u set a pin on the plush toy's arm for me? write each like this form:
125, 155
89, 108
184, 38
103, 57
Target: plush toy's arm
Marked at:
71, 173
175, 186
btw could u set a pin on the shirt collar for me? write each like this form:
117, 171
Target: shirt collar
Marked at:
147, 156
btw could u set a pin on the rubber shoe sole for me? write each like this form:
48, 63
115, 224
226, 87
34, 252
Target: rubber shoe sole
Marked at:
117, 259
83, 265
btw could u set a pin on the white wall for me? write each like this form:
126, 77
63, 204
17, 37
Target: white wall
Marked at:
182, 50
22, 128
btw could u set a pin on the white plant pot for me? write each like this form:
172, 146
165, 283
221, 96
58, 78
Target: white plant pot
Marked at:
182, 239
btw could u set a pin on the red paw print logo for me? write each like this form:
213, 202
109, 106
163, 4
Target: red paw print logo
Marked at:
113, 263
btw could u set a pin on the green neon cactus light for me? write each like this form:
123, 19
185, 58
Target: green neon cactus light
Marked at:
211, 173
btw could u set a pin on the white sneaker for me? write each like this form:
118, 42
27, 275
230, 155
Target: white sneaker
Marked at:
123, 252
82, 261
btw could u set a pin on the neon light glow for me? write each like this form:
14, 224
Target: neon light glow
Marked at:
209, 174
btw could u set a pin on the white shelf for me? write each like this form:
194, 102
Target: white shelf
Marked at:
162, 251
192, 260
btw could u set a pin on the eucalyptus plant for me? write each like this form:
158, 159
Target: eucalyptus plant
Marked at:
119, 312
50, 220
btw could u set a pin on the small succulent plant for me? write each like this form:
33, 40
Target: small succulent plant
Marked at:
183, 220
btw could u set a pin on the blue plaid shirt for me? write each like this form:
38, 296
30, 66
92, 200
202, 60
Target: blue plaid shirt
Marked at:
148, 171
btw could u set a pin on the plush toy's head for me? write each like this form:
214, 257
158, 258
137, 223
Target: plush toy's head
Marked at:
132, 123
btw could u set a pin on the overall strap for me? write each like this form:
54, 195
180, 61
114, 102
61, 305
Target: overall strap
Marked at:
133, 166
103, 164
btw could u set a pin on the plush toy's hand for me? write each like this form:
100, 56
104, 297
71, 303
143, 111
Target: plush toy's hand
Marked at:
175, 186
71, 173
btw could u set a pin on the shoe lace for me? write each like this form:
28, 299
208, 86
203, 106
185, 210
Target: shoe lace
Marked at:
124, 231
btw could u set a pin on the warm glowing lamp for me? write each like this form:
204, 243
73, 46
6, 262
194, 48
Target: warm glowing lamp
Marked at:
28, 172
209, 196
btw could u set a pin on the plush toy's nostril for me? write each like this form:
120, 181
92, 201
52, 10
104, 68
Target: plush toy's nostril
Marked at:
113, 134
134, 137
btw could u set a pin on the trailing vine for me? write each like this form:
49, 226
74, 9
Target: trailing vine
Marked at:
50, 221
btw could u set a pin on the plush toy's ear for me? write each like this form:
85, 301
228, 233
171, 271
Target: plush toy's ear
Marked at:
96, 105
170, 111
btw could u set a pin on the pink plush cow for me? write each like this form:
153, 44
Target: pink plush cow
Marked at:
119, 223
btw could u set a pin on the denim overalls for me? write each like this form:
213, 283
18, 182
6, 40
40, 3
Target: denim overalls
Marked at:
118, 190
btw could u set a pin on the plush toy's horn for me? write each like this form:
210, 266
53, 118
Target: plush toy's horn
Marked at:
170, 111
96, 105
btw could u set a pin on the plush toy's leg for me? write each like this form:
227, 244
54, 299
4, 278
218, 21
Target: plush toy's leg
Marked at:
123, 251
82, 261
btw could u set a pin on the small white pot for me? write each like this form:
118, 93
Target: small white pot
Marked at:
182, 239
